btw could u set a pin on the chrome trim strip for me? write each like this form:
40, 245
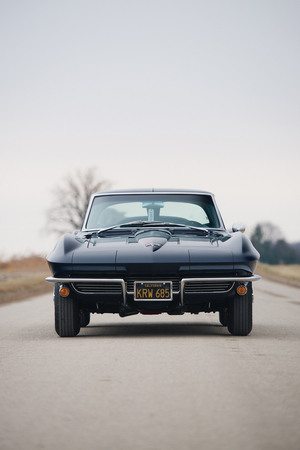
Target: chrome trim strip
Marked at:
238, 279
96, 292
90, 280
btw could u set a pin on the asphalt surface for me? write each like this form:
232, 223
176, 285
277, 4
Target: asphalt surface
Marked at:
152, 383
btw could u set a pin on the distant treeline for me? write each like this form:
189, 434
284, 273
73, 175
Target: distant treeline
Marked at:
273, 248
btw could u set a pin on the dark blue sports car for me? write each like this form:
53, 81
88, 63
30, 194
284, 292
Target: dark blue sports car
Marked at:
153, 251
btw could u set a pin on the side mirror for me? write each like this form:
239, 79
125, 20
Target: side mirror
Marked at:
238, 226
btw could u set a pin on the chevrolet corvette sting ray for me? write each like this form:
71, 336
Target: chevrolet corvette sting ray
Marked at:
153, 251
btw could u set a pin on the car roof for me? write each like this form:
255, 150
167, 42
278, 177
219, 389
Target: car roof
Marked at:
151, 190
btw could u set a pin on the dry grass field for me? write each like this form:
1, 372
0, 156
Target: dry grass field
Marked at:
289, 274
24, 277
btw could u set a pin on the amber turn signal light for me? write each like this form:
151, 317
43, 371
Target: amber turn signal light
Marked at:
64, 291
241, 289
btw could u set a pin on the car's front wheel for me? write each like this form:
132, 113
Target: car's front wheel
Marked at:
240, 314
66, 315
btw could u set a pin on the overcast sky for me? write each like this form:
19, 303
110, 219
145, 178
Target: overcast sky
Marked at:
153, 93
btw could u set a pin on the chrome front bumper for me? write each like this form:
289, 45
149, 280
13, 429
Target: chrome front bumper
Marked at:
122, 282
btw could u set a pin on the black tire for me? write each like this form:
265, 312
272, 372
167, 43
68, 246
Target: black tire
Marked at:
223, 317
84, 319
240, 314
66, 315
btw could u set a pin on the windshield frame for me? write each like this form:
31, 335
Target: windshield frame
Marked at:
156, 194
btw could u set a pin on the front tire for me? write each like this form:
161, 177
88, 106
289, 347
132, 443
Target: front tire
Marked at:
66, 315
240, 314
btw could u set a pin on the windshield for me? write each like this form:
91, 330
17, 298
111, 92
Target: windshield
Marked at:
191, 210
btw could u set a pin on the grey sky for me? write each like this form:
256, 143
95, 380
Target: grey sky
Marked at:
199, 94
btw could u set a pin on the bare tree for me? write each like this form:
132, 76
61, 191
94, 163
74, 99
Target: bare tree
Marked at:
267, 232
71, 200
273, 248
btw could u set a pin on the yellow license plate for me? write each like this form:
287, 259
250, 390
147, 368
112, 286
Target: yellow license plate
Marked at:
153, 291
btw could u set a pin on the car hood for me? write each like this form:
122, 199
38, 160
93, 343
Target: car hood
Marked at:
150, 250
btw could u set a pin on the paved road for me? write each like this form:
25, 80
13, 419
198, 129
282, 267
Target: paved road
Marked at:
152, 383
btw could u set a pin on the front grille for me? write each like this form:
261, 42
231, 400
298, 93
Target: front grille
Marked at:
175, 283
98, 288
198, 287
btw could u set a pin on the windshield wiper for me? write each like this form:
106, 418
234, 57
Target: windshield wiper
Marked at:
180, 225
136, 223
146, 223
